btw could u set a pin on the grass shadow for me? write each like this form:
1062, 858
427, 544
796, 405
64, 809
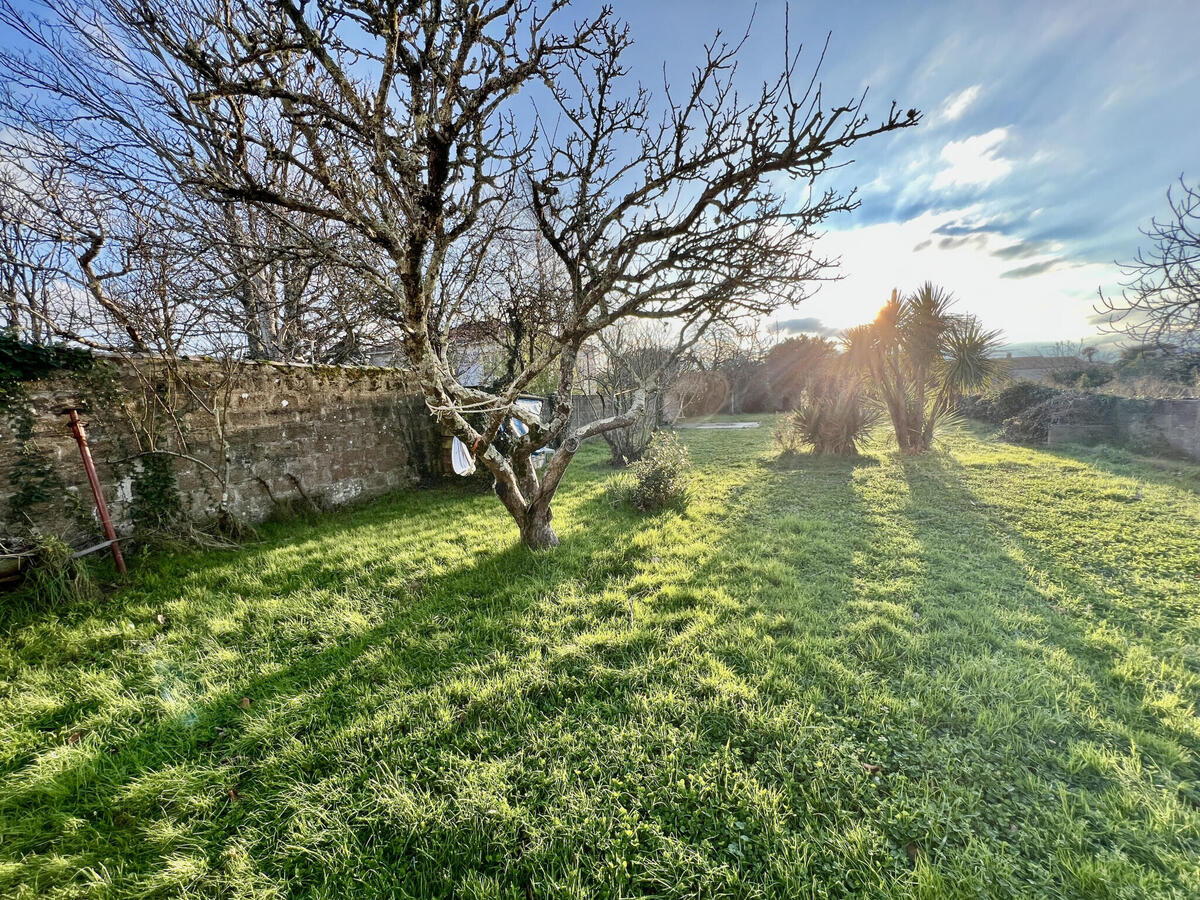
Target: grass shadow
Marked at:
1171, 471
187, 757
850, 673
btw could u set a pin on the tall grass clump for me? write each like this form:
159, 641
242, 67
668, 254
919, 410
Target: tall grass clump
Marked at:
55, 577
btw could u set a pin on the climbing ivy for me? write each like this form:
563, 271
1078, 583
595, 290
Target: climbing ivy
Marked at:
156, 506
32, 476
35, 480
21, 362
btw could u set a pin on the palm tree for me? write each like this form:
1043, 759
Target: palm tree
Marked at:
918, 358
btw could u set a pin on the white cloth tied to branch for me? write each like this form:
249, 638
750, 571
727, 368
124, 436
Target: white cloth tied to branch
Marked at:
461, 458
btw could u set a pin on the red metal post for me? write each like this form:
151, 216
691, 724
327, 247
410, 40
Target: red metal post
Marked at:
101, 507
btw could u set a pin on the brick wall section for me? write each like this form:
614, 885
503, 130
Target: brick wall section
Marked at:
1172, 425
339, 434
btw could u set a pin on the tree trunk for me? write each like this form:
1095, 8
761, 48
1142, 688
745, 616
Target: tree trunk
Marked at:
532, 518
536, 531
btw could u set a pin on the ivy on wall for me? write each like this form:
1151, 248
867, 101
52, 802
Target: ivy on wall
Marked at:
33, 477
21, 362
37, 485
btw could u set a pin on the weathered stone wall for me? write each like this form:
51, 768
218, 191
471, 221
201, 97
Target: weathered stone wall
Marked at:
333, 434
1150, 425
1176, 423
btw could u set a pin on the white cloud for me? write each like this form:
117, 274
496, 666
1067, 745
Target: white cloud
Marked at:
1053, 302
957, 104
973, 160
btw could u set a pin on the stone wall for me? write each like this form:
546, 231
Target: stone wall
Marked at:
1151, 425
331, 434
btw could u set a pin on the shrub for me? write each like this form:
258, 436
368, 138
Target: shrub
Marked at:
1162, 362
661, 477
975, 406
832, 417
1032, 425
997, 407
1084, 376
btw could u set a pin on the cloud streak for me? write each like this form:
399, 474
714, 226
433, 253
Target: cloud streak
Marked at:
1030, 270
807, 325
973, 161
1021, 250
957, 104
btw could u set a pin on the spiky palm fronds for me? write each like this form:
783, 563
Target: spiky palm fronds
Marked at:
968, 355
918, 356
834, 416
925, 320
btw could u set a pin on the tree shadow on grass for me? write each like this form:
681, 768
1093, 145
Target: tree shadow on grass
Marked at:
808, 462
869, 618
1101, 586
138, 788
1038, 701
1170, 471
684, 699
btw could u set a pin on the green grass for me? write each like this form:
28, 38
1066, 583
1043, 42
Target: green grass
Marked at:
970, 674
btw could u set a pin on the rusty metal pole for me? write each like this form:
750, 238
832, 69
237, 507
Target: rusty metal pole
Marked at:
94, 480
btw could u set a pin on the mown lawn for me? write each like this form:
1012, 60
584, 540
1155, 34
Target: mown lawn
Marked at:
970, 674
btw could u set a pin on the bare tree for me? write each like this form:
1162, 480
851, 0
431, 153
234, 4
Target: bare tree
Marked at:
1160, 298
737, 353
511, 305
405, 121
26, 266
689, 227
797, 365
640, 357
94, 115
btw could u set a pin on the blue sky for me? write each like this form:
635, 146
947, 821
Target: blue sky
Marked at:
1052, 130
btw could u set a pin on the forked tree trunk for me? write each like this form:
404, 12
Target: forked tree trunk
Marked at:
532, 517
528, 500
536, 530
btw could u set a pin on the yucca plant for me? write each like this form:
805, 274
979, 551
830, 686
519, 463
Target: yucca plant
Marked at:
834, 416
918, 358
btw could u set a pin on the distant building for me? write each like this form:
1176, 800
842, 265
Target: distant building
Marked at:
1038, 368
390, 355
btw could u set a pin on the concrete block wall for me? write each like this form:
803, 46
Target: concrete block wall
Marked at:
1151, 425
1178, 424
